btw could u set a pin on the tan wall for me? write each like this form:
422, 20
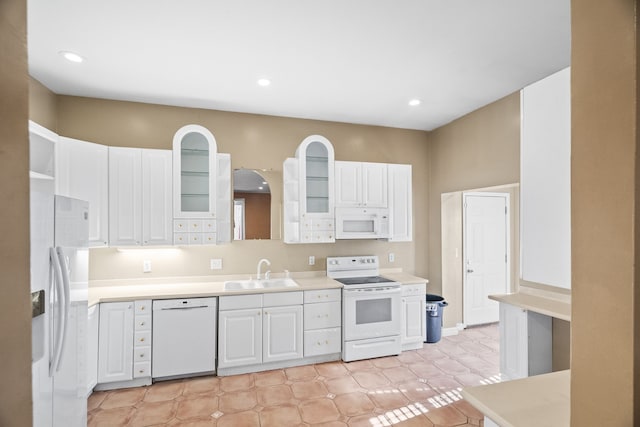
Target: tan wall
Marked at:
43, 107
481, 149
15, 304
605, 375
254, 142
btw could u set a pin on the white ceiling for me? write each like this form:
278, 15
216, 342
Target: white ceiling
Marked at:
355, 61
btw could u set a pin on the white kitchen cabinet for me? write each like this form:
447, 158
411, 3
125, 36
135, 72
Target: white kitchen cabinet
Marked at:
240, 337
361, 184
400, 203
413, 316
257, 329
82, 170
239, 330
309, 191
282, 333
124, 344
201, 187
322, 322
93, 319
140, 197
525, 342
115, 342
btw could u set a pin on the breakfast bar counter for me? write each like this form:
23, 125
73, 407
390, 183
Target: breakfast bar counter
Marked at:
541, 400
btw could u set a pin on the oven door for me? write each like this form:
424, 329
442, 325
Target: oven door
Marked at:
371, 312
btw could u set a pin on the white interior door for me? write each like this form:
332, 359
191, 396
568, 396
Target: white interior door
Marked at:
486, 255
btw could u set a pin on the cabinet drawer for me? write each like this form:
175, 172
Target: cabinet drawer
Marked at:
195, 225
142, 369
322, 315
141, 354
418, 289
209, 226
322, 341
240, 301
142, 322
282, 298
195, 238
208, 238
143, 307
180, 238
142, 338
322, 295
180, 226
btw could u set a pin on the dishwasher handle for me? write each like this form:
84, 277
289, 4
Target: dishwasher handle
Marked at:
185, 308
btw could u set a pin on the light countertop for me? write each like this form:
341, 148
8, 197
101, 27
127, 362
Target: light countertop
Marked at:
541, 400
539, 304
207, 286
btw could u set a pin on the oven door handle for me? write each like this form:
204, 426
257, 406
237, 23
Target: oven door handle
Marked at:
377, 291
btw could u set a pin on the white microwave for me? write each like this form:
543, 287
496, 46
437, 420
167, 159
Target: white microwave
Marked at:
362, 223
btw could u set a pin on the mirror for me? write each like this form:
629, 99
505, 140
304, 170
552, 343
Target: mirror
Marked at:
257, 197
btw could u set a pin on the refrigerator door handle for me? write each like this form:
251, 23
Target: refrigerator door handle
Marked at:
66, 286
61, 317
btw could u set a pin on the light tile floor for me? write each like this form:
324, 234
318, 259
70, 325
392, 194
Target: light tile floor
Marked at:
416, 388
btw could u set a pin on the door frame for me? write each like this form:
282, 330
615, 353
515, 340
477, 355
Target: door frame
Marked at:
507, 217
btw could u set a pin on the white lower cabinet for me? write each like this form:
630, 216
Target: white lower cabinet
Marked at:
124, 344
413, 316
239, 337
322, 322
93, 320
257, 329
282, 333
525, 343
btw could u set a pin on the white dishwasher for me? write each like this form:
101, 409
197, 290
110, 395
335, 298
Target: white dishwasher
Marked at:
184, 337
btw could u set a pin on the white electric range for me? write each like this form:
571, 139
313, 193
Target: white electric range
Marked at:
371, 308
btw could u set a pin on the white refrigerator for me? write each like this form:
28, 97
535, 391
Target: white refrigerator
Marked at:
59, 277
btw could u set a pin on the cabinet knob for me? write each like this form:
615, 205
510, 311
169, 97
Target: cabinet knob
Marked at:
141, 371
141, 355
141, 339
142, 323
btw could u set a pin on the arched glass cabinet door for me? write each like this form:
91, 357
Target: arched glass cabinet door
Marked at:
194, 162
316, 158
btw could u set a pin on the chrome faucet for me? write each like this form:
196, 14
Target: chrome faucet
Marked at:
265, 261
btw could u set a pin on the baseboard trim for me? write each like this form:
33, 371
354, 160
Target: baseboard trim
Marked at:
447, 332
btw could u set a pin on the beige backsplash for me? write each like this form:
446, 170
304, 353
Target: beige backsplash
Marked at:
241, 257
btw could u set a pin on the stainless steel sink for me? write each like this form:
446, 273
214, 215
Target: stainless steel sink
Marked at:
239, 285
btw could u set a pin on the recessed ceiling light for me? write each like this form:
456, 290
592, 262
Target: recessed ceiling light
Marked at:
264, 82
264, 182
71, 56
414, 102
260, 188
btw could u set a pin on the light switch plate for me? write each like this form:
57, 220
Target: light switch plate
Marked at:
392, 257
312, 260
146, 266
216, 263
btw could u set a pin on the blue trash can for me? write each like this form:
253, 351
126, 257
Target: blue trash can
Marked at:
434, 307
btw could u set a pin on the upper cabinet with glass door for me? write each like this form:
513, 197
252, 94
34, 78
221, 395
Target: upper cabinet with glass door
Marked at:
309, 193
201, 175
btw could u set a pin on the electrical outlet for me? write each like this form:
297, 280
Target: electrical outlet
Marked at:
312, 260
216, 263
392, 257
146, 266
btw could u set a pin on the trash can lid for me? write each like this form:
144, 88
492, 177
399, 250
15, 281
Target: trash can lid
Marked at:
434, 298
